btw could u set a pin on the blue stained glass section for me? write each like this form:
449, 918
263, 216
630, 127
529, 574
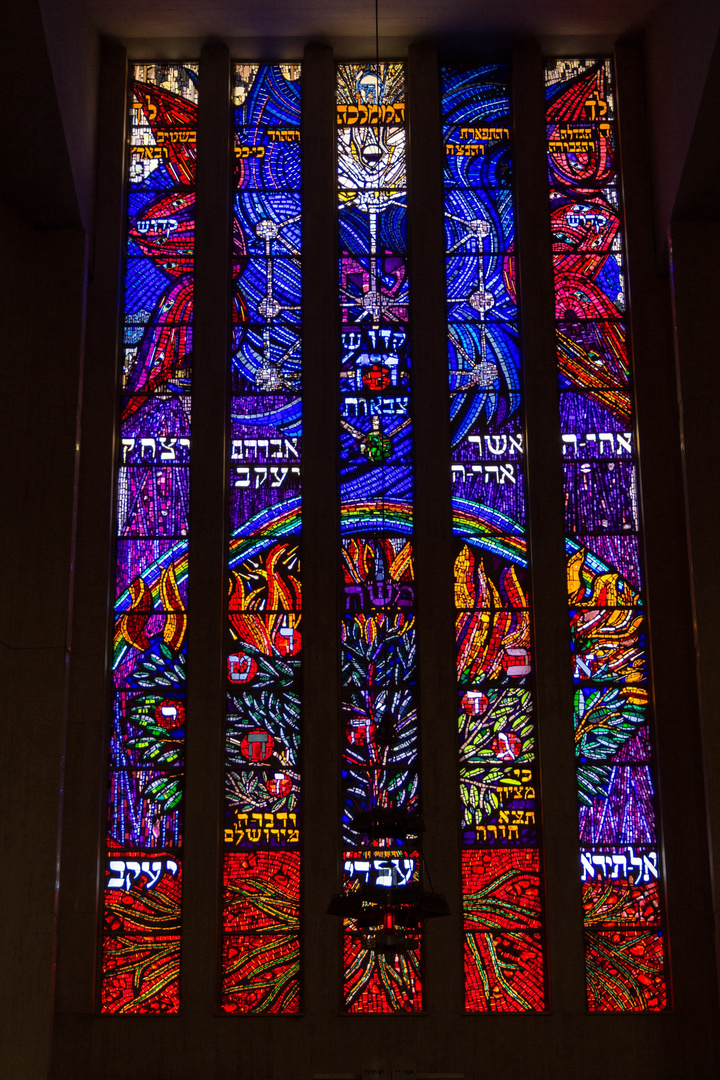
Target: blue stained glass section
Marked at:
267, 127
354, 227
496, 725
466, 209
484, 361
270, 222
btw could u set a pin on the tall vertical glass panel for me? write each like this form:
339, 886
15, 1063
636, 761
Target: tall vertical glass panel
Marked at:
381, 853
261, 894
502, 906
141, 940
618, 834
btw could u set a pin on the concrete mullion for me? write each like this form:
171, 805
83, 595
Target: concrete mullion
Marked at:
439, 783
207, 592
321, 760
85, 796
546, 518
679, 751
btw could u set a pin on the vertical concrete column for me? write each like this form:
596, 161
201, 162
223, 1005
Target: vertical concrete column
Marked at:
85, 795
679, 743
321, 864
546, 517
439, 786
696, 287
42, 286
207, 590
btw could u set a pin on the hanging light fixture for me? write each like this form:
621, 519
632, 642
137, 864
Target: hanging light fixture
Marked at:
385, 913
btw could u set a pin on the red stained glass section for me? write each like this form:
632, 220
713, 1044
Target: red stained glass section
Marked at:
261, 891
261, 973
610, 904
378, 982
625, 971
504, 972
152, 904
492, 644
141, 974
501, 889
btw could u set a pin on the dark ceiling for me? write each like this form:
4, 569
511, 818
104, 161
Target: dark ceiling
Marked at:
333, 20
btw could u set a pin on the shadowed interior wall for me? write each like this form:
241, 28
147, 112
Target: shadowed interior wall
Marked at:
42, 349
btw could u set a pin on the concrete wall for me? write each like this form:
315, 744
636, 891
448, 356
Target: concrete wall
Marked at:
679, 43
74, 52
41, 314
696, 289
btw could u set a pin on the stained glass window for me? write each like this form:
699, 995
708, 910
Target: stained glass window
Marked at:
380, 767
615, 785
261, 889
141, 941
381, 855
504, 965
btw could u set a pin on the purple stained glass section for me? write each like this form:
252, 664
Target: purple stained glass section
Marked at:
143, 890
